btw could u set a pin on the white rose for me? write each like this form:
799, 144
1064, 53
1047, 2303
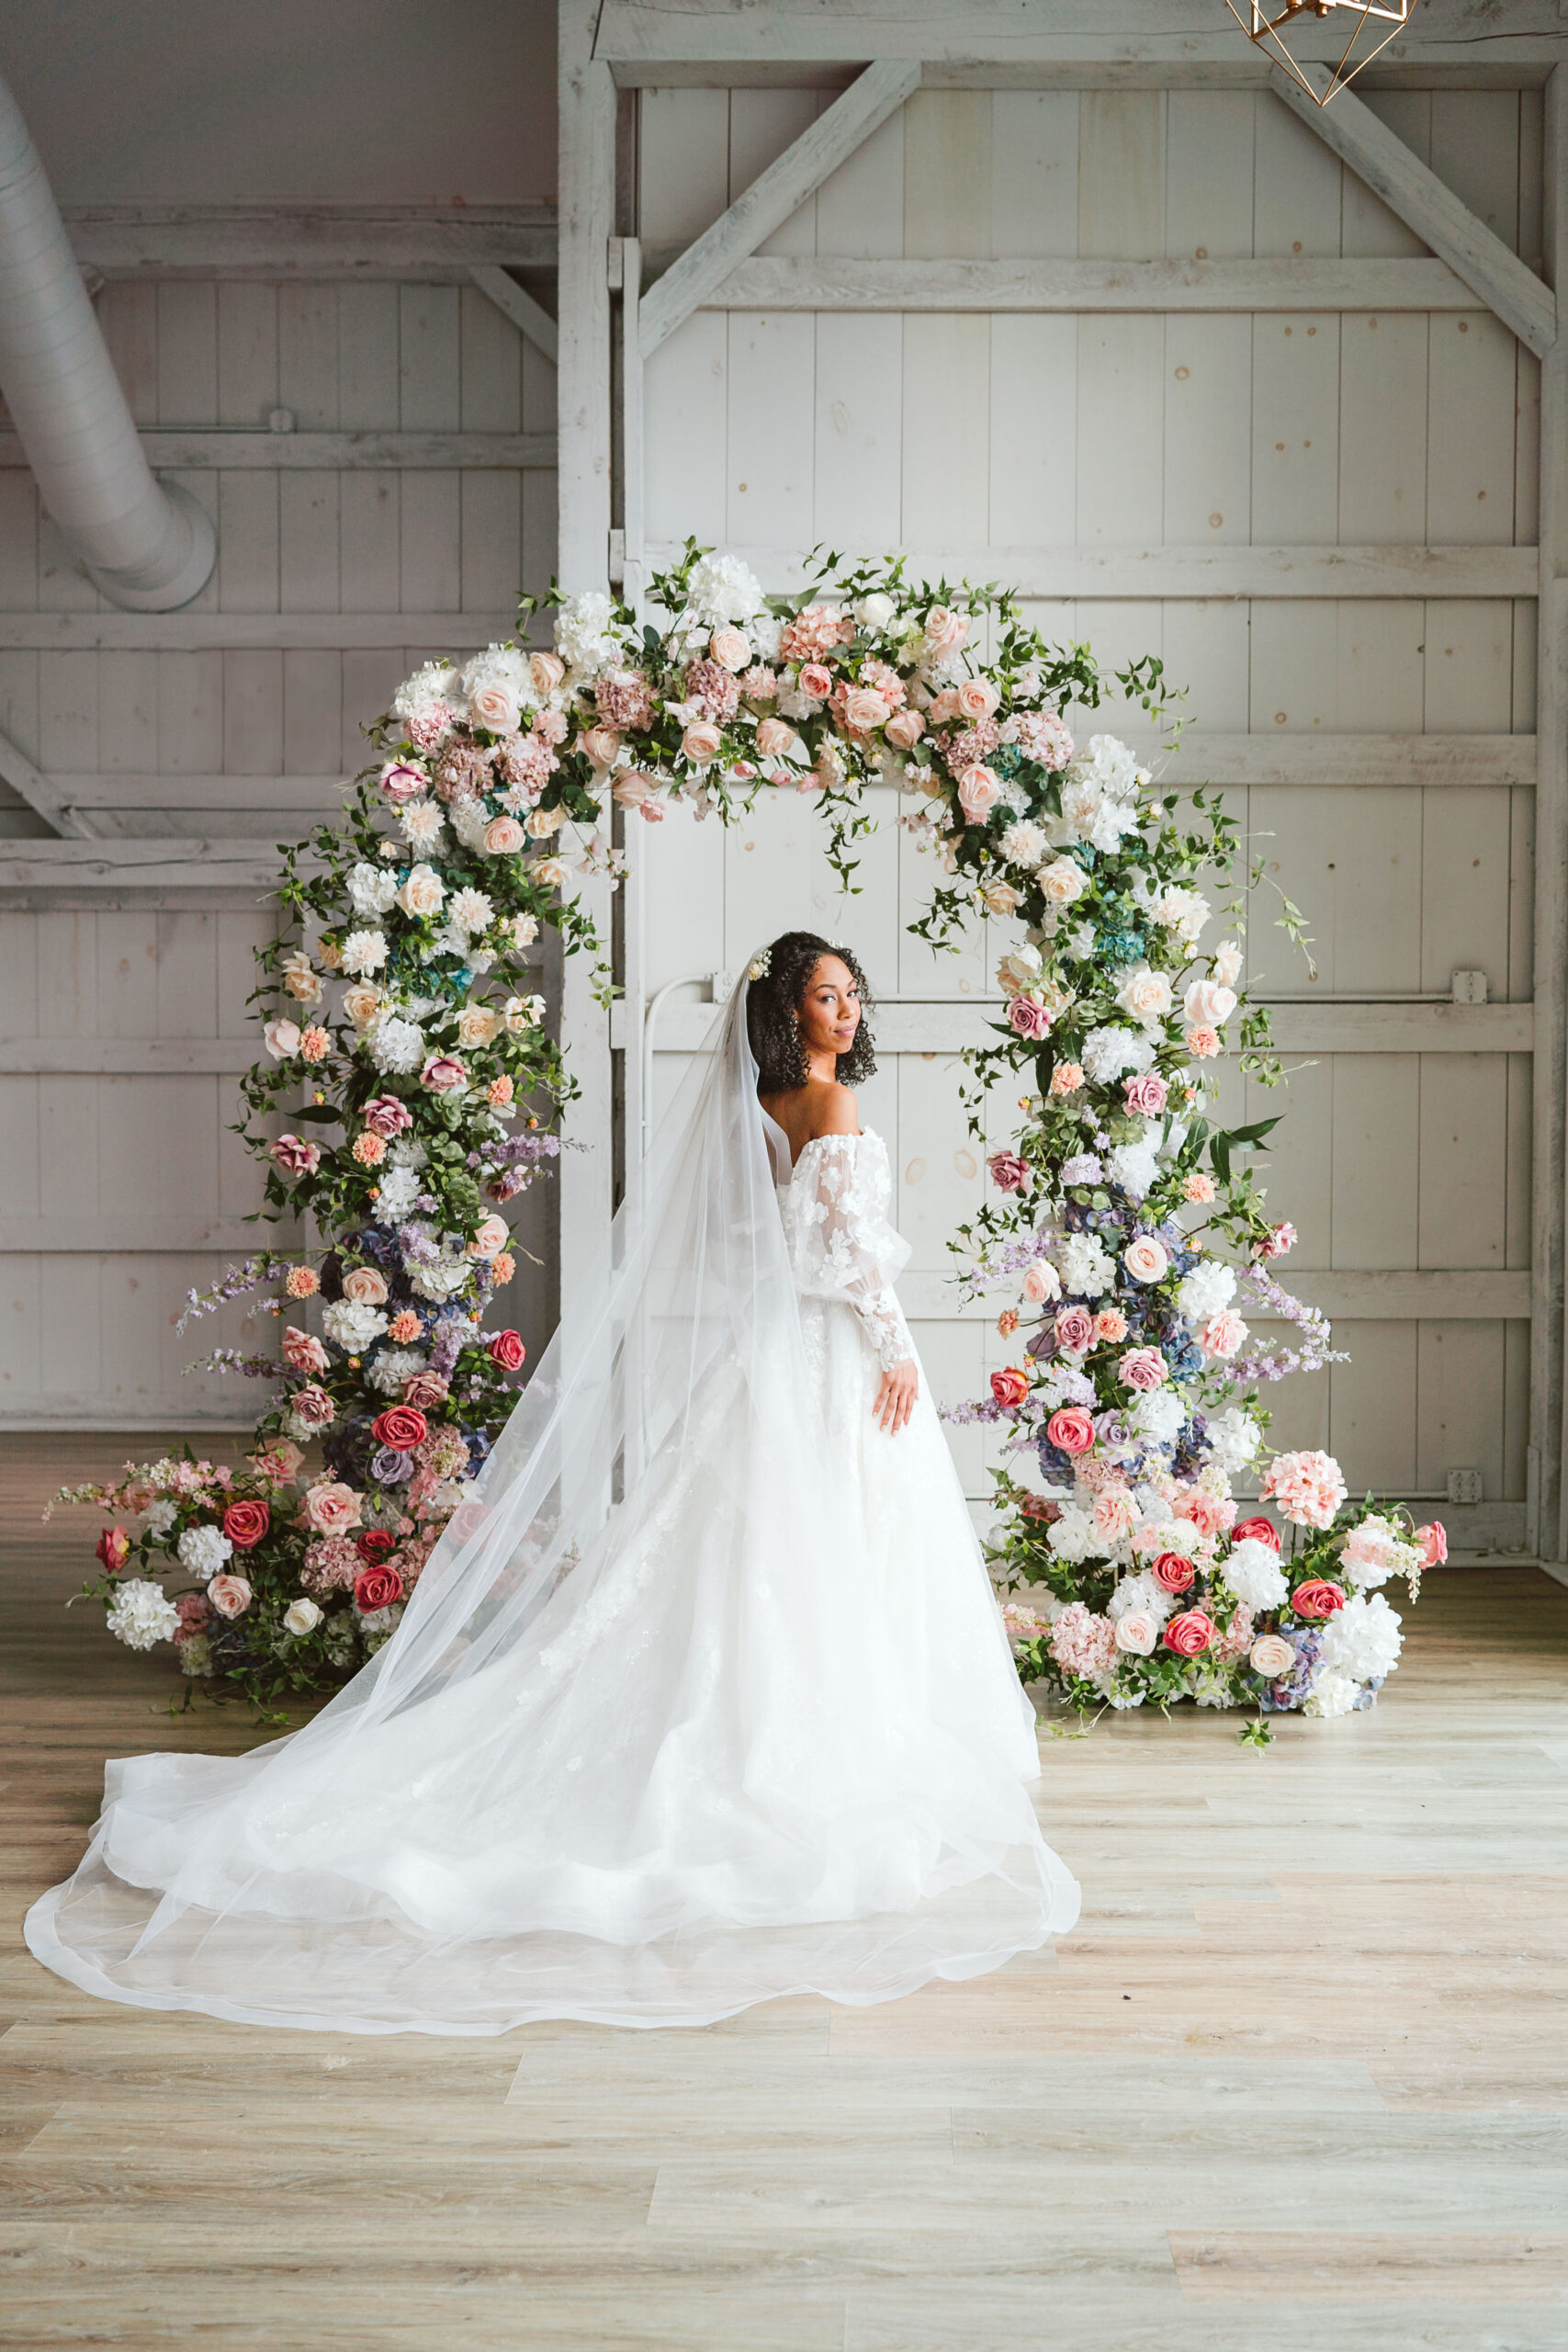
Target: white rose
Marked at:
874, 612
1063, 881
1225, 963
423, 893
1136, 1631
1145, 994
301, 1617
1208, 1004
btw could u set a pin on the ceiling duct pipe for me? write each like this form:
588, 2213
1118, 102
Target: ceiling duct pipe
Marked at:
146, 545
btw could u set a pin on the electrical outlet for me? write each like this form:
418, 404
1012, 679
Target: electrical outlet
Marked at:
1469, 988
1464, 1486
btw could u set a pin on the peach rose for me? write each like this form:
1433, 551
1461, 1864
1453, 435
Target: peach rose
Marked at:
545, 672
1144, 994
729, 649
230, 1596
1208, 1005
864, 709
362, 1004
281, 1039
1271, 1655
1042, 1282
423, 893
816, 680
503, 837
601, 743
1225, 963
1000, 899
978, 793
303, 1352
904, 731
977, 698
1136, 1632
366, 1286
776, 739
944, 707
331, 1508
1145, 1259
543, 822
1223, 1333
1062, 881
494, 707
701, 742
632, 788
478, 1024
945, 631
488, 1240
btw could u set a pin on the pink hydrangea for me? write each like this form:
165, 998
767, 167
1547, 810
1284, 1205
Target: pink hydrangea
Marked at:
966, 750
1308, 1487
1083, 1644
816, 630
526, 763
430, 724
331, 1566
626, 699
714, 689
1041, 736
1235, 1642
464, 769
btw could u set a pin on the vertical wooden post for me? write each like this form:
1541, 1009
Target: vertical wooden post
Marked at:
587, 178
632, 975
1545, 1525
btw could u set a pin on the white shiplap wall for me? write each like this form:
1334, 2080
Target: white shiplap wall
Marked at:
782, 429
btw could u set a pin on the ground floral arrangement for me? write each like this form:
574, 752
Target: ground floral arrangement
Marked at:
399, 1029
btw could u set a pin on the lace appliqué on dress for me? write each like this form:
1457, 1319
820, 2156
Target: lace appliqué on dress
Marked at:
841, 1245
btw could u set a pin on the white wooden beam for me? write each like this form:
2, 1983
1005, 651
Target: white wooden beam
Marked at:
219, 795
166, 862
40, 793
128, 1057
774, 196
1425, 204
138, 1236
238, 451
780, 283
1352, 762
530, 318
1548, 1520
1186, 572
445, 242
190, 632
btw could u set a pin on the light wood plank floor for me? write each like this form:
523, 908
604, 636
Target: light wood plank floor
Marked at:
1299, 2078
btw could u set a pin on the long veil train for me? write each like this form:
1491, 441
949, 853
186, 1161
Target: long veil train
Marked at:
651, 1743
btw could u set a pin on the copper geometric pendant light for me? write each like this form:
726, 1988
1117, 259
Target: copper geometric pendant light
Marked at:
1271, 24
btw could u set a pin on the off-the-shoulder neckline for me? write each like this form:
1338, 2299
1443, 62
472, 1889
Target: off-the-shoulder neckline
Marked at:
863, 1136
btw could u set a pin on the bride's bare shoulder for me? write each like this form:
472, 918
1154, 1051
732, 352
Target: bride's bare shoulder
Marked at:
832, 1109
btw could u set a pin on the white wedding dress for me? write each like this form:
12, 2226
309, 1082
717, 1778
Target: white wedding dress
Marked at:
708, 1701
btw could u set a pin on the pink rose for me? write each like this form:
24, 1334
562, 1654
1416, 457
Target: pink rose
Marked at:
246, 1523
1145, 1259
295, 1157
507, 1350
1223, 1333
504, 837
304, 1353
1070, 1430
401, 1427
426, 1390
1277, 1241
978, 793
278, 1461
331, 1508
384, 1115
904, 731
730, 649
1136, 1631
1141, 1368
775, 737
1209, 1005
1074, 1328
701, 741
632, 788
601, 743
1009, 1172
1271, 1655
1189, 1633
1009, 1387
366, 1286
650, 812
441, 1073
312, 1408
1028, 1017
864, 709
489, 1240
545, 672
944, 707
113, 1548
1147, 1095
401, 781
816, 680
1434, 1540
1256, 1531
1317, 1598
945, 631
1172, 1573
230, 1596
977, 698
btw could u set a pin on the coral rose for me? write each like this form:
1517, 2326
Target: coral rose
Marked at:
507, 1350
1009, 1387
1317, 1598
978, 792
230, 1596
701, 742
1271, 1655
1433, 1539
1145, 1259
1190, 1634
330, 1509
400, 1427
113, 1548
246, 1523
376, 1587
1074, 1328
1027, 1017
366, 1286
1070, 1430
504, 837
1256, 1531
905, 729
1172, 1573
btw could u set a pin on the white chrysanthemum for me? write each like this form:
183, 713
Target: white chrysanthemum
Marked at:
352, 1324
160, 1519
1141, 1592
1364, 1639
1334, 1693
469, 820
1072, 1537
140, 1613
1132, 1166
363, 952
1160, 1415
1253, 1572
396, 1047
1088, 1270
1202, 1293
1109, 1054
371, 889
585, 634
421, 823
1233, 1439
389, 1367
399, 1191
470, 910
722, 588
203, 1550
437, 682
1024, 845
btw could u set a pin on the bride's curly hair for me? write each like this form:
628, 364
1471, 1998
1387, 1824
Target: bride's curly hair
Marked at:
772, 1009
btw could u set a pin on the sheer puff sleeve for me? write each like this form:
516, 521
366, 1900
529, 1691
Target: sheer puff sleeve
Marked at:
843, 1246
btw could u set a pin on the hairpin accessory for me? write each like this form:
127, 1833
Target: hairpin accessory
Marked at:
760, 966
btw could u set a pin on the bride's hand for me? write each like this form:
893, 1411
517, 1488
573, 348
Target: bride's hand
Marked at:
895, 1398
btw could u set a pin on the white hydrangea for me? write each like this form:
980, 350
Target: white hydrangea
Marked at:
501, 669
1141, 1592
441, 1280
1132, 1166
469, 820
1087, 1269
407, 1151
378, 1626
399, 1190
436, 681
160, 1519
363, 952
1024, 845
1205, 1289
203, 1550
371, 889
396, 1047
1108, 763
1233, 1439
1158, 1416
586, 637
1334, 1693
141, 1613
1364, 1639
470, 910
1072, 1537
1111, 1054
722, 588
352, 1324
1253, 1572
389, 1367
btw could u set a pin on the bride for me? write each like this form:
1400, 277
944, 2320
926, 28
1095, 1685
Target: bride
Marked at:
705, 1701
